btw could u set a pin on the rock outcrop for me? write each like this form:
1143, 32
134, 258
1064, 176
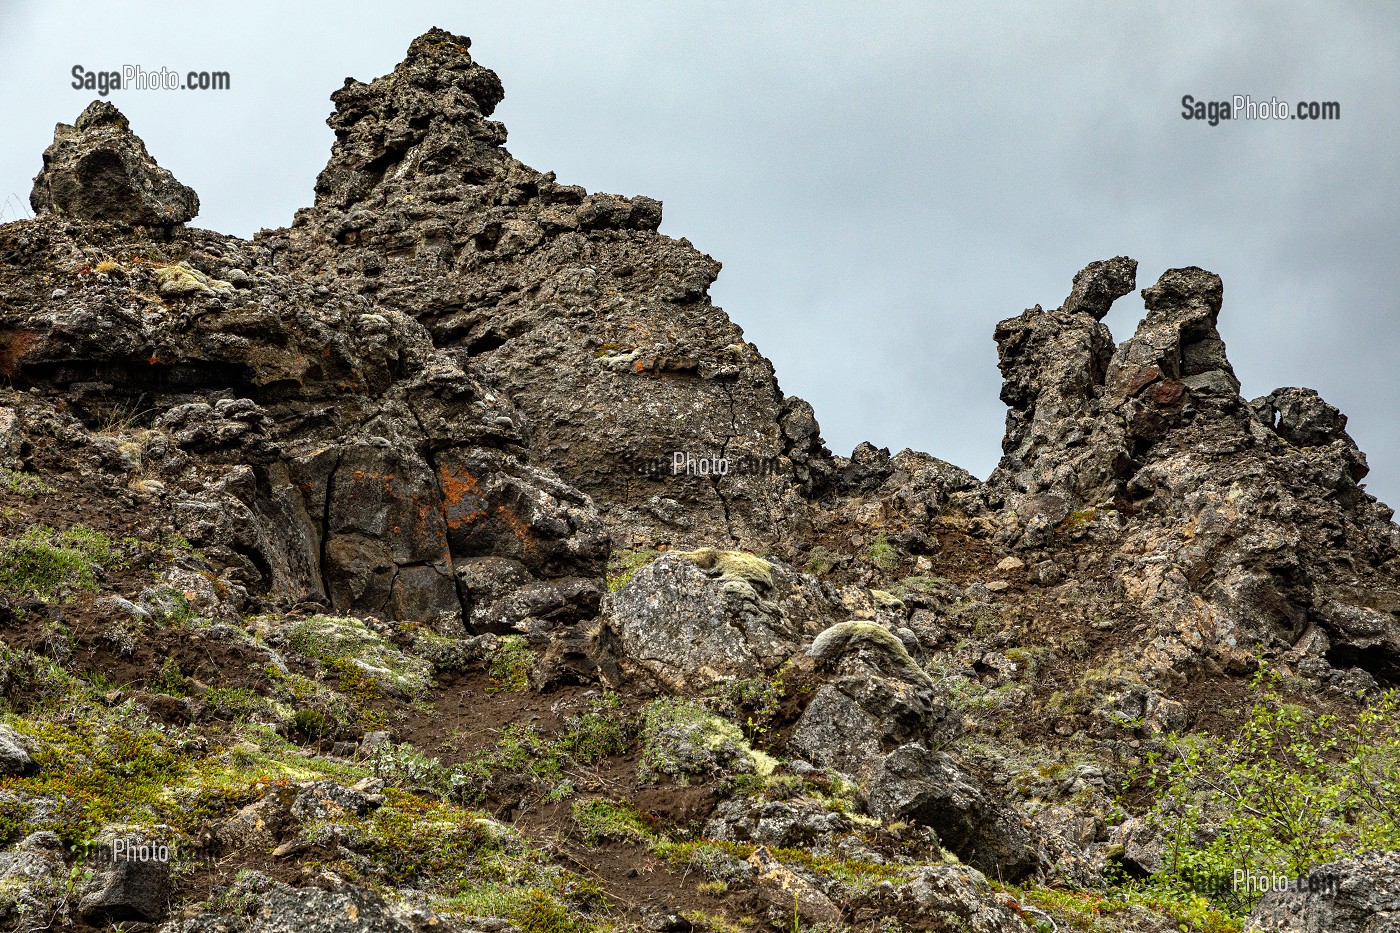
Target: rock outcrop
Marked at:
1247, 530
98, 170
459, 494
597, 327
1359, 895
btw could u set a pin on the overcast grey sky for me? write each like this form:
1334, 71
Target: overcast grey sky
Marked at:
882, 181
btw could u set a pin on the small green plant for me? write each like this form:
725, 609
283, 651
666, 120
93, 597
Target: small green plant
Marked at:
753, 702
311, 723
236, 703
820, 560
883, 554
25, 484
510, 665
599, 819
623, 564
50, 564
170, 680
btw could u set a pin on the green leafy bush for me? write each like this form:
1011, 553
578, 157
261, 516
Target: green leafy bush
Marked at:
1292, 789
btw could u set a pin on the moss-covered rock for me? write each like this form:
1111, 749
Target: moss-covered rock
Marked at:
341, 642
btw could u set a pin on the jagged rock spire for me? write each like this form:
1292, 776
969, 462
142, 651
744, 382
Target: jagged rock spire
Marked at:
97, 169
422, 125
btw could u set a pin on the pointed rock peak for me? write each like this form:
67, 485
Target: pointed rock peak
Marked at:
1177, 340
1186, 293
421, 127
1099, 284
440, 47
101, 113
98, 170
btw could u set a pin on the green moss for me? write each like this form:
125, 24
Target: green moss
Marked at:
886, 600
98, 769
623, 564
181, 278
510, 664
1106, 911
359, 656
599, 819
25, 484
732, 566
50, 564
682, 739
444, 653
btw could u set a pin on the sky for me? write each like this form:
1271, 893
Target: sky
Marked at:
883, 181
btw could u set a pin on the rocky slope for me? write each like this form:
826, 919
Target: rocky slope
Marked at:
447, 560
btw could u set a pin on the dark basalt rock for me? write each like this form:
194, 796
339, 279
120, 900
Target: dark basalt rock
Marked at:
97, 169
1156, 429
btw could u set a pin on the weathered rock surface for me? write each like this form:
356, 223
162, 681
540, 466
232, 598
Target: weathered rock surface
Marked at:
14, 752
437, 402
921, 786
131, 878
597, 327
1219, 491
1358, 895
693, 619
333, 906
944, 897
97, 169
33, 876
324, 449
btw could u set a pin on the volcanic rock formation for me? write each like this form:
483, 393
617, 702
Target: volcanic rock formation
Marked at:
458, 400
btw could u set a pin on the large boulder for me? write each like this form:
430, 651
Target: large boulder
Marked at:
334, 906
131, 877
942, 897
1356, 895
920, 786
97, 169
692, 619
880, 719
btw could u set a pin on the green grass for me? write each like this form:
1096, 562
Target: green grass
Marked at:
1099, 911
50, 565
599, 819
509, 665
623, 564
25, 484
883, 554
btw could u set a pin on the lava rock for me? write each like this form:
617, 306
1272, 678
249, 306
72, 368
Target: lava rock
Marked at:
97, 169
